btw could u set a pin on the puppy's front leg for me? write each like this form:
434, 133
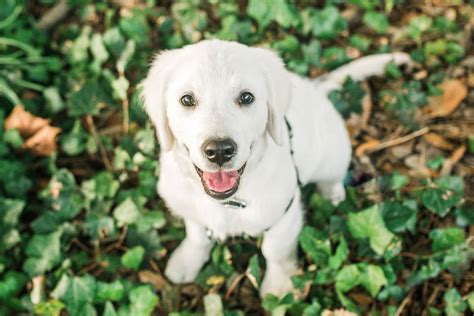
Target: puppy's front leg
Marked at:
279, 248
193, 252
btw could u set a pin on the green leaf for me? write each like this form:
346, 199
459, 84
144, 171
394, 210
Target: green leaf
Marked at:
213, 305
327, 23
369, 224
373, 278
266, 11
109, 310
455, 306
445, 238
342, 252
11, 284
77, 293
348, 99
439, 200
254, 272
470, 301
113, 291
133, 258
85, 100
126, 212
142, 301
74, 142
98, 49
464, 216
52, 307
376, 21
44, 253
400, 216
315, 244
348, 278
13, 138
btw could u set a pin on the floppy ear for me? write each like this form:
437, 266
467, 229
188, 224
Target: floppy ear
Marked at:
278, 84
153, 96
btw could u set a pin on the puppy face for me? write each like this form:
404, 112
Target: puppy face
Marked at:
216, 99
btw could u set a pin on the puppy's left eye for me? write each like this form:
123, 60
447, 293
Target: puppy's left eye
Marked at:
246, 98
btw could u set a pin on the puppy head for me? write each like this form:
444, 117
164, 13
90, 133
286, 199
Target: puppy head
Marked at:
216, 99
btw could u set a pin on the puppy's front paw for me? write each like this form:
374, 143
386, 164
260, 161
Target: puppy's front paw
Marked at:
186, 262
276, 282
335, 192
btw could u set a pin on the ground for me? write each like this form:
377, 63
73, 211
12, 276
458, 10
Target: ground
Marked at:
83, 232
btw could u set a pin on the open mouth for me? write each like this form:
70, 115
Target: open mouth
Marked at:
220, 184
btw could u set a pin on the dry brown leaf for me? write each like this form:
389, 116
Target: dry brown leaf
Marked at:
43, 142
363, 148
337, 312
438, 141
454, 91
449, 163
26, 123
156, 279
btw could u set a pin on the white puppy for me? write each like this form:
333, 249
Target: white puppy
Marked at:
237, 132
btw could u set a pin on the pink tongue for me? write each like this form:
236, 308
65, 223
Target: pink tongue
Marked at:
220, 181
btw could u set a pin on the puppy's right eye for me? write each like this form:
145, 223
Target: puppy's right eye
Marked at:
187, 100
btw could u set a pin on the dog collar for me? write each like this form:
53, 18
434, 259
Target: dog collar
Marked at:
235, 204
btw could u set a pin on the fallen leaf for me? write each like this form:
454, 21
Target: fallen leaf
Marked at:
449, 163
40, 136
454, 91
43, 142
26, 123
363, 148
438, 141
156, 279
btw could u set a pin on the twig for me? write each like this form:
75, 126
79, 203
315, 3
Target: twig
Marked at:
431, 299
233, 285
126, 115
404, 303
96, 136
400, 140
54, 15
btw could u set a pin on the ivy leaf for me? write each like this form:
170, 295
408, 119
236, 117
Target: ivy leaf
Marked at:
445, 238
347, 278
11, 284
142, 301
315, 244
464, 216
400, 216
52, 307
113, 291
369, 224
455, 306
376, 21
327, 23
109, 310
77, 293
126, 212
10, 213
373, 278
348, 99
342, 252
213, 304
445, 193
85, 100
44, 253
266, 11
133, 257
254, 272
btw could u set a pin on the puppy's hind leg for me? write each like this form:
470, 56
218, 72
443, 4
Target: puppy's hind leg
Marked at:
279, 248
333, 191
193, 252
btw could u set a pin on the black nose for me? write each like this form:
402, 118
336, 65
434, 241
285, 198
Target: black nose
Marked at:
219, 150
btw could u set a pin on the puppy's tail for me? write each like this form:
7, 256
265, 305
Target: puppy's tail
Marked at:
365, 67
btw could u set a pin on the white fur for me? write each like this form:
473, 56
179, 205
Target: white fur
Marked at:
216, 72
